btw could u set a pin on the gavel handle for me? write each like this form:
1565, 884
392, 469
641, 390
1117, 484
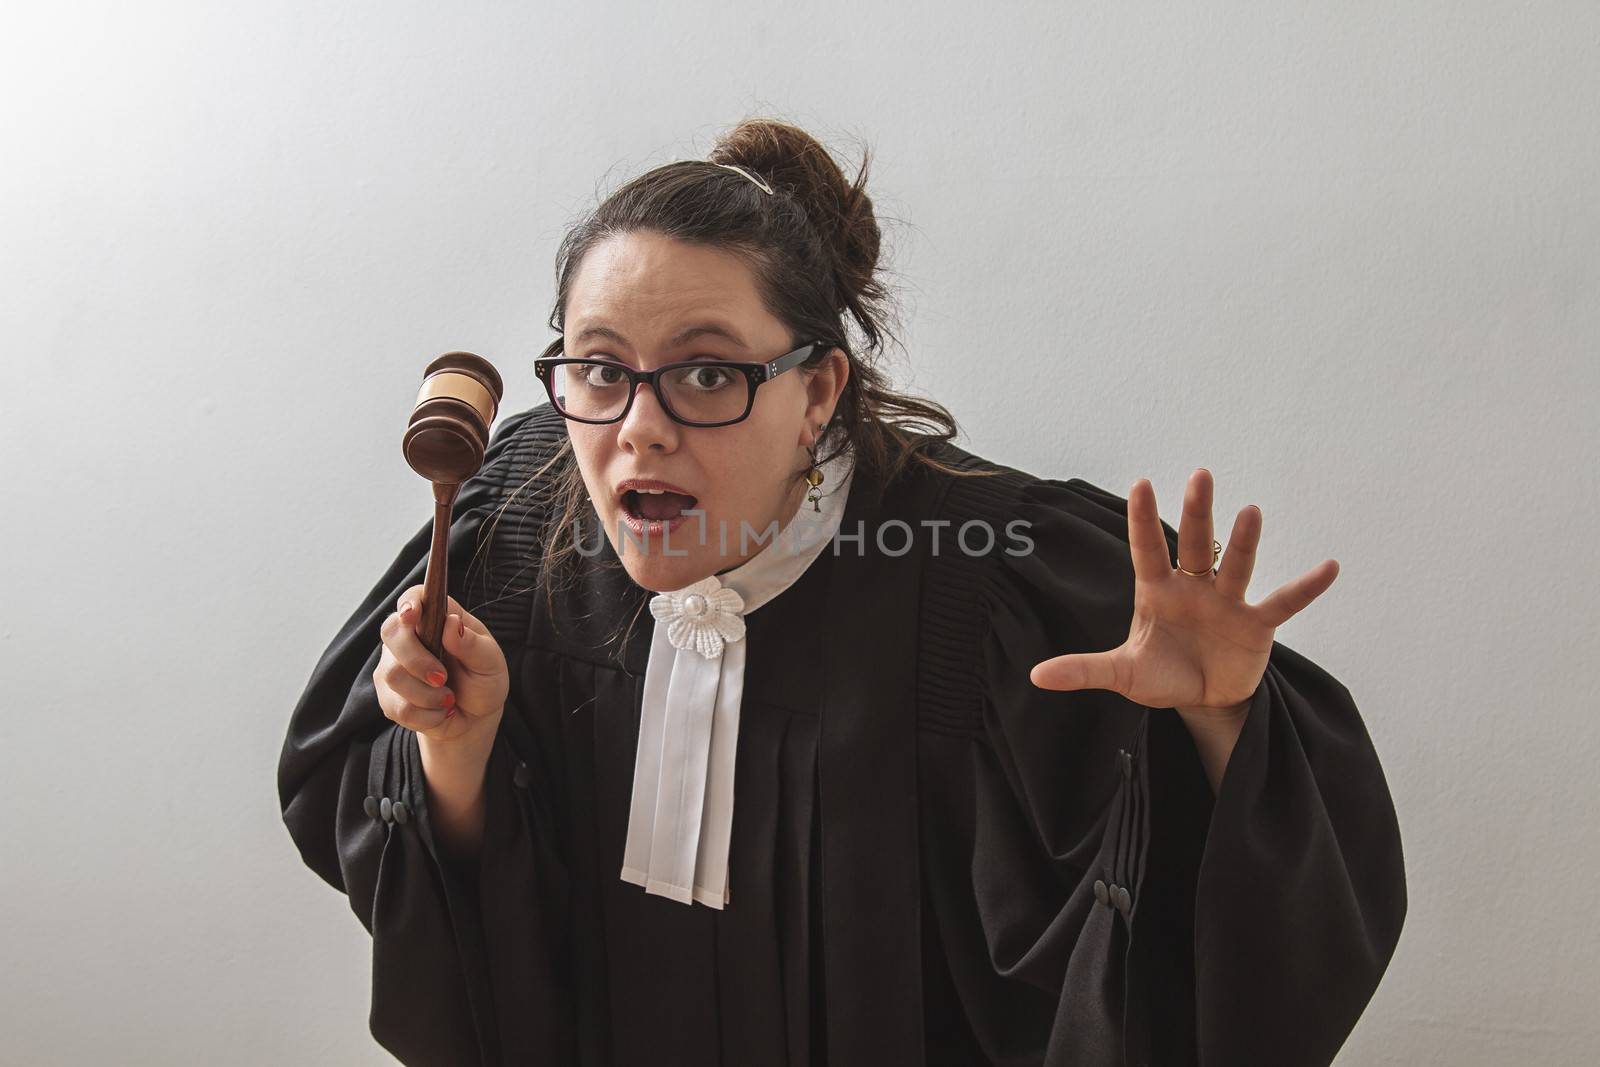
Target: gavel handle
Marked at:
435, 587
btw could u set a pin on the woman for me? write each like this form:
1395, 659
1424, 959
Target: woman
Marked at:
840, 744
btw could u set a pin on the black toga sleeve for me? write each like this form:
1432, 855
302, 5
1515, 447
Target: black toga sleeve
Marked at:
1146, 915
464, 966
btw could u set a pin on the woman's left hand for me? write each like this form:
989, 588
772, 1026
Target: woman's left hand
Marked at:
1194, 644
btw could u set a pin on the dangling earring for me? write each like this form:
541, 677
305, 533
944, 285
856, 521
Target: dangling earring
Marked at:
814, 475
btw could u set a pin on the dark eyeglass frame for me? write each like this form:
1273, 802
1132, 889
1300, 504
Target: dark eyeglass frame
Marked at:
544, 368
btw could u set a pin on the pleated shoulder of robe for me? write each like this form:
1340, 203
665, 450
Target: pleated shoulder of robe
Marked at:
933, 861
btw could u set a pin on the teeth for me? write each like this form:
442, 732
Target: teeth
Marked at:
652, 492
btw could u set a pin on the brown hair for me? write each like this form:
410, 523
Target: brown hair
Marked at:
813, 245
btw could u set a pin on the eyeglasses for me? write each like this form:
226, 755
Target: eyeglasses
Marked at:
702, 392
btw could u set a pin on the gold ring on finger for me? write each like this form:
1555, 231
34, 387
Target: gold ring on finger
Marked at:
1216, 554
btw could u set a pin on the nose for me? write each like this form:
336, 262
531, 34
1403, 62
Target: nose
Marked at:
647, 424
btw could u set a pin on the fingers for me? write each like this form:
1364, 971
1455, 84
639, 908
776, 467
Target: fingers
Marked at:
399, 634
412, 716
470, 642
1239, 561
410, 680
1292, 597
1195, 537
414, 596
1147, 542
414, 704
462, 614
1079, 670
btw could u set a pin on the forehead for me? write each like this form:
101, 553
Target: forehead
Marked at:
645, 280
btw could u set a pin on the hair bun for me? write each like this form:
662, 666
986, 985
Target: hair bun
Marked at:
791, 161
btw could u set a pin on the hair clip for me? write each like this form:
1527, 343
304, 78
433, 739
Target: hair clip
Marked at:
765, 188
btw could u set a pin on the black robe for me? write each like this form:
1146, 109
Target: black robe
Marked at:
933, 861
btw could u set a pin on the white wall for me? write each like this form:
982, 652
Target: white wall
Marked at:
1347, 257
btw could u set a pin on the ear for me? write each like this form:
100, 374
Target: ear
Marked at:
824, 385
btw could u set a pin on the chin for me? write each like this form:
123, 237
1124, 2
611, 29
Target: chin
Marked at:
660, 575
652, 571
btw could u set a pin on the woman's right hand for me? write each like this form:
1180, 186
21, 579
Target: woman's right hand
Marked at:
459, 699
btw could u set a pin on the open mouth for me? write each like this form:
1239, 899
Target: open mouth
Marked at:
648, 506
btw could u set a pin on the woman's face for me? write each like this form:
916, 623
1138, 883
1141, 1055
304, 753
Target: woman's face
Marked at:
646, 289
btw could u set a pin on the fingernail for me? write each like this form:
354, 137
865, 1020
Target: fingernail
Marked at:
449, 713
405, 606
436, 677
449, 699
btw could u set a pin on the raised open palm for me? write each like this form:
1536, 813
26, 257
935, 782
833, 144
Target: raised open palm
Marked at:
1193, 641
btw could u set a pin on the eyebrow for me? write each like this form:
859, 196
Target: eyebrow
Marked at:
682, 336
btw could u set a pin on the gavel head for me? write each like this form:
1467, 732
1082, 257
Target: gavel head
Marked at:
449, 428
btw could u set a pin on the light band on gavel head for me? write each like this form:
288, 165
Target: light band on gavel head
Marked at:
455, 385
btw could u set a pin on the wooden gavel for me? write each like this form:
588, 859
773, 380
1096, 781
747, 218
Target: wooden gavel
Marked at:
445, 442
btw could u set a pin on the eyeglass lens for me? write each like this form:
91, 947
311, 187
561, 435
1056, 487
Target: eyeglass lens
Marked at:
703, 392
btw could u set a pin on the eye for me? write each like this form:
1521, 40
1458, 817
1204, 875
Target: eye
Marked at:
599, 374
705, 377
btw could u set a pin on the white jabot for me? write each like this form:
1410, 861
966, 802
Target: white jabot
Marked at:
681, 819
